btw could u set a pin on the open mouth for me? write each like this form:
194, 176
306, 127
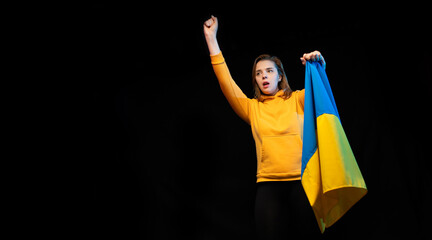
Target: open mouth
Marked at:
266, 84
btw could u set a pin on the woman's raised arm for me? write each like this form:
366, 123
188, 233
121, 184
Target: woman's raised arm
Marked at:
237, 99
210, 30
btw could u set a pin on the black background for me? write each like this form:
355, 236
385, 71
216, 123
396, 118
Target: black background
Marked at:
171, 160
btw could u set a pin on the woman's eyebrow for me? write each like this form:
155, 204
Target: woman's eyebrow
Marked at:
269, 68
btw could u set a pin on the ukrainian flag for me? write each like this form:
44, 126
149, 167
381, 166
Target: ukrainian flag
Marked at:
331, 177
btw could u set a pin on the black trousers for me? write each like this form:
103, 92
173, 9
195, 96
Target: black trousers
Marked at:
282, 211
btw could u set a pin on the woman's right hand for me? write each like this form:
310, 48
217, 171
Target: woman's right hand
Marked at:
210, 30
211, 27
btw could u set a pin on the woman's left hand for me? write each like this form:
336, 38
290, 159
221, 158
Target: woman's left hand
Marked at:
313, 56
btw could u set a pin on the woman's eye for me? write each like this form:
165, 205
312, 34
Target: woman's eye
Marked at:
258, 73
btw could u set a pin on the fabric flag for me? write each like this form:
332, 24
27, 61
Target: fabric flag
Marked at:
331, 177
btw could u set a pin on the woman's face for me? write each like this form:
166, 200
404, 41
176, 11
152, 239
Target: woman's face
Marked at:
267, 77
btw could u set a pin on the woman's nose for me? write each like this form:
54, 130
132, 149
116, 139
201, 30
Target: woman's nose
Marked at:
264, 76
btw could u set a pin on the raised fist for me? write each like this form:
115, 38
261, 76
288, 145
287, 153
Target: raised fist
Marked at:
211, 27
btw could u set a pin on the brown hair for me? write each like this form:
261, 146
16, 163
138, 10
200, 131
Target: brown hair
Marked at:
282, 85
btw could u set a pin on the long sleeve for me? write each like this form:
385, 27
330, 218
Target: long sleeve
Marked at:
236, 98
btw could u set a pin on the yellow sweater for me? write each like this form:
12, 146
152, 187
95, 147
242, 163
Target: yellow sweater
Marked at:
276, 123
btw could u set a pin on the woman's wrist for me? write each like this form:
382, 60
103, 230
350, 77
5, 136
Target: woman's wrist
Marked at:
213, 45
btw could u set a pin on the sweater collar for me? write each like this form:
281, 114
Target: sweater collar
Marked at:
268, 97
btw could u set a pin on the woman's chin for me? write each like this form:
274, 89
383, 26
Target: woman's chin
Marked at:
267, 92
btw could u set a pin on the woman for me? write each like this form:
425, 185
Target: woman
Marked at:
275, 114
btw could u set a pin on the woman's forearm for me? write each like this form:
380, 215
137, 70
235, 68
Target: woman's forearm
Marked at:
210, 31
212, 45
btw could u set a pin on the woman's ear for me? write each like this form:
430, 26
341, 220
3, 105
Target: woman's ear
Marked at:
280, 77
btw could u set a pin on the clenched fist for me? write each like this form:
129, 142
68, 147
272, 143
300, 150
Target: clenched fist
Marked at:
211, 27
313, 56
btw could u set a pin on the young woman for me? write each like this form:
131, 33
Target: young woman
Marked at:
275, 114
